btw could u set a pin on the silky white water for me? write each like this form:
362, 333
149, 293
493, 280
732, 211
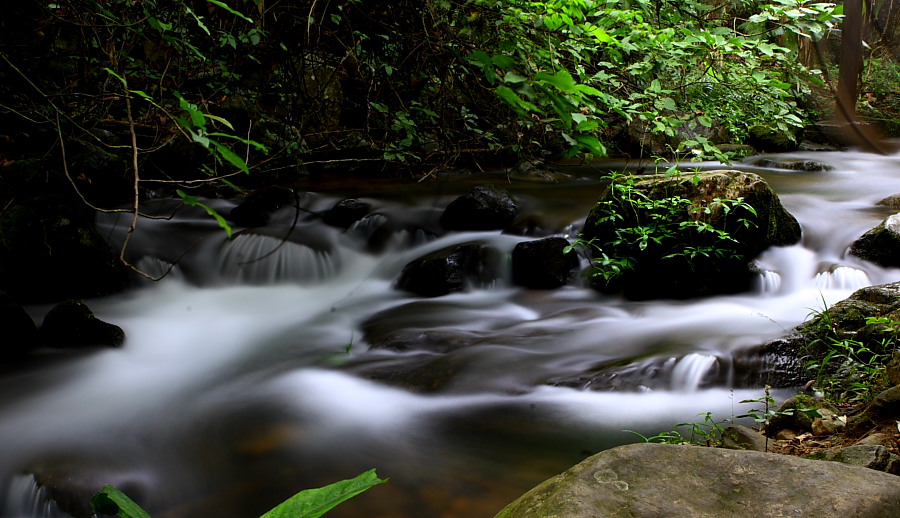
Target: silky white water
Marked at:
247, 374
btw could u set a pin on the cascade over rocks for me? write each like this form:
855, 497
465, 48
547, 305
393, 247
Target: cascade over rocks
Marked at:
689, 481
663, 269
486, 207
881, 245
72, 324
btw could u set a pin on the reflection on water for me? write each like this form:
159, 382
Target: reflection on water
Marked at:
284, 359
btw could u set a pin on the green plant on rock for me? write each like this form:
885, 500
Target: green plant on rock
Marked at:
706, 433
310, 503
658, 229
850, 371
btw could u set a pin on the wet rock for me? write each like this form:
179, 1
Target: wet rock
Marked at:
542, 264
881, 245
485, 207
737, 437
776, 364
871, 456
72, 324
258, 207
687, 481
792, 164
20, 335
666, 268
892, 201
346, 212
450, 270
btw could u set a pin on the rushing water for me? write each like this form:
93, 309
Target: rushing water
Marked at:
248, 375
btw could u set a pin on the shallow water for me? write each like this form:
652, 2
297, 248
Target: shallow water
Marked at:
248, 375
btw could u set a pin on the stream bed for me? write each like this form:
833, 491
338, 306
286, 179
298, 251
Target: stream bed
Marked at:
249, 373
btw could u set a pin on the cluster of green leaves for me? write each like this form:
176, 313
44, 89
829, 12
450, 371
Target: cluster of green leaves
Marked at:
579, 68
661, 228
707, 432
161, 52
310, 503
850, 369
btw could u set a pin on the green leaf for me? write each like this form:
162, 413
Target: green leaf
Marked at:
512, 77
193, 202
110, 500
225, 6
562, 80
504, 62
313, 503
229, 155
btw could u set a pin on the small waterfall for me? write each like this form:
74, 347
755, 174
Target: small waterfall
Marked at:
768, 282
691, 370
842, 278
24, 498
261, 259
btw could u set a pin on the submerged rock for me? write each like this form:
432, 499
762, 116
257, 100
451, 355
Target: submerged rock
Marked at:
485, 207
688, 481
684, 253
72, 324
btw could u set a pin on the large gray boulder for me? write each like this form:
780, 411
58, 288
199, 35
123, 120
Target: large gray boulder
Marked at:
673, 481
679, 250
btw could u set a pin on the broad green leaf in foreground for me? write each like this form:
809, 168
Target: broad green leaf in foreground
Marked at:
313, 503
110, 500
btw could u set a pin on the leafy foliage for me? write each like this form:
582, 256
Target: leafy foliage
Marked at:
583, 69
310, 503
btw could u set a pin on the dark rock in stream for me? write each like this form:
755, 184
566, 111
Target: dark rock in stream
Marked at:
678, 481
346, 212
450, 270
792, 164
19, 331
485, 207
258, 207
542, 264
665, 266
881, 245
72, 324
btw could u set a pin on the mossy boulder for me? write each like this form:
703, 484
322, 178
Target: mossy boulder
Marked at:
701, 242
678, 481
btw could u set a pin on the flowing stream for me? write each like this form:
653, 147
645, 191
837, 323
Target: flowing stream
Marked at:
249, 372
